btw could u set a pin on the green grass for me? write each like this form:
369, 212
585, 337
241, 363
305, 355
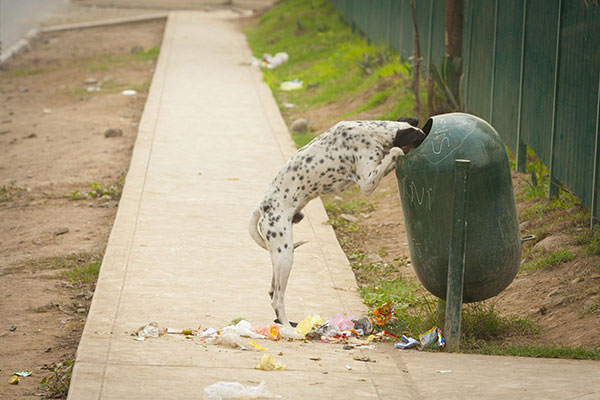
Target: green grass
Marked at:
351, 207
87, 273
104, 62
550, 351
590, 239
550, 260
333, 62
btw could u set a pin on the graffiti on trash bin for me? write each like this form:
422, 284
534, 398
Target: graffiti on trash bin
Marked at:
441, 145
416, 196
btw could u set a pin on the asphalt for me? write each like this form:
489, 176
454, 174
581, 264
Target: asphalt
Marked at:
210, 140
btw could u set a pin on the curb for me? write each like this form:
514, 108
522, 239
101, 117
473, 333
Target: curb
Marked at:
32, 33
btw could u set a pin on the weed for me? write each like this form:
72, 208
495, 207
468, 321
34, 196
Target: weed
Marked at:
77, 195
342, 225
87, 273
57, 384
590, 239
551, 260
99, 190
26, 72
351, 207
150, 54
302, 139
481, 322
356, 255
11, 192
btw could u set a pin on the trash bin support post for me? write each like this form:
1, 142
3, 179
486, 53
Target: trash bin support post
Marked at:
456, 258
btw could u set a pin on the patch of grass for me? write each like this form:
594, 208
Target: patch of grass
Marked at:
342, 225
551, 260
481, 322
12, 192
26, 72
150, 54
577, 353
57, 384
331, 60
351, 207
99, 190
104, 62
590, 239
87, 273
301, 139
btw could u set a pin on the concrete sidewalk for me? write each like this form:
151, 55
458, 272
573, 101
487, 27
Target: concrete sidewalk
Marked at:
210, 140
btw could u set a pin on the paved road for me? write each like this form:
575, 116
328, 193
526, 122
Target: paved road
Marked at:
19, 16
210, 140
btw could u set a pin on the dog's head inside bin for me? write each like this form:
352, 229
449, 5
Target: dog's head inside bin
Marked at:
425, 181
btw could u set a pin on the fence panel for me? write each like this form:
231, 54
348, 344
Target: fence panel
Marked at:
531, 68
577, 98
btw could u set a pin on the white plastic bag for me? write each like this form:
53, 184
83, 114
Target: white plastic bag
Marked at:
242, 328
235, 390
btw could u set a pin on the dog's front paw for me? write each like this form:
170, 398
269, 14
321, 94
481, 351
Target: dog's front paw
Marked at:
396, 152
293, 324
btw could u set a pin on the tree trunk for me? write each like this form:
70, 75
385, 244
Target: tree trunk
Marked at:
454, 27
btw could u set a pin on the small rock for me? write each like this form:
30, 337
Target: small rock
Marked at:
48, 350
577, 280
81, 310
543, 310
113, 132
24, 90
136, 49
365, 215
12, 328
337, 198
349, 218
61, 231
554, 292
299, 125
4, 132
91, 81
373, 259
554, 242
32, 136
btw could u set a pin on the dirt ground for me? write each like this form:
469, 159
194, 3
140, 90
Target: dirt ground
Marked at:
55, 151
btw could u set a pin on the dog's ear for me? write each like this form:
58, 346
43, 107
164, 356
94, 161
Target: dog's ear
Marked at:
408, 137
411, 121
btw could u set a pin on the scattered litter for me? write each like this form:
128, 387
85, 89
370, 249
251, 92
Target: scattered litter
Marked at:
383, 314
229, 339
268, 61
315, 358
208, 333
271, 332
288, 105
308, 323
149, 330
269, 363
257, 346
243, 328
139, 338
129, 92
22, 373
291, 85
13, 380
187, 332
366, 346
407, 343
363, 326
93, 89
444, 371
47, 111
343, 321
233, 178
235, 390
348, 367
12, 328
432, 336
363, 359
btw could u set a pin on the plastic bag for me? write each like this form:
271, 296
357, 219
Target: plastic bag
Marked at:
407, 343
289, 333
149, 330
432, 336
242, 328
235, 390
291, 85
308, 323
343, 321
269, 363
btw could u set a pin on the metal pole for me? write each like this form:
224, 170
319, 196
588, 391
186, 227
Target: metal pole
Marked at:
594, 208
521, 151
456, 257
493, 83
553, 191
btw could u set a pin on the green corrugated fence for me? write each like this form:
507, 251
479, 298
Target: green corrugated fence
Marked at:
531, 68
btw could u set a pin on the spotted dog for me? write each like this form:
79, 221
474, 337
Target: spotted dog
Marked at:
360, 152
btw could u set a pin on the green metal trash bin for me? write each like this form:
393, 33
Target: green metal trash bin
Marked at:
425, 180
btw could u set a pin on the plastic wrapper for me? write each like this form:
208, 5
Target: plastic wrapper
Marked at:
269, 363
270, 332
324, 330
407, 343
149, 330
433, 336
308, 323
343, 321
235, 390
383, 314
363, 326
291, 85
14, 380
289, 333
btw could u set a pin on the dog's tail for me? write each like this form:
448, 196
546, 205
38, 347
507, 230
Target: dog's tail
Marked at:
256, 234
253, 229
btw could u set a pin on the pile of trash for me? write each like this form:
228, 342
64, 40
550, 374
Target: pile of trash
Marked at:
340, 328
